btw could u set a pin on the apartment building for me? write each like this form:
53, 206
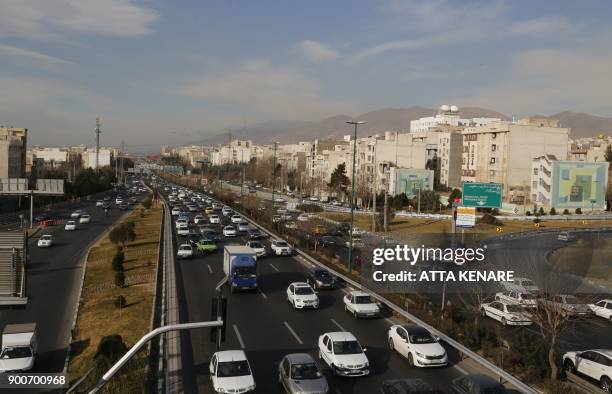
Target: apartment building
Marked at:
443, 152
236, 152
13, 152
502, 152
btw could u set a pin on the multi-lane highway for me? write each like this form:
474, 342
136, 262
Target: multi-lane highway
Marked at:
267, 327
54, 276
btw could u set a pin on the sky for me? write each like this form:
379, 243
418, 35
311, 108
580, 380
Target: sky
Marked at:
174, 71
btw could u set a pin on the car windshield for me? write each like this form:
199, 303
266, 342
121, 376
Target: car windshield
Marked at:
303, 290
363, 299
281, 244
421, 337
347, 347
233, 368
245, 272
305, 371
46, 237
255, 245
185, 247
514, 308
16, 352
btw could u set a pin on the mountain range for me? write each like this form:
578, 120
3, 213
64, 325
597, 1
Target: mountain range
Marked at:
379, 121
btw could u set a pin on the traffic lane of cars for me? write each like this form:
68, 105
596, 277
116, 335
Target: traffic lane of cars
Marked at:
53, 278
249, 315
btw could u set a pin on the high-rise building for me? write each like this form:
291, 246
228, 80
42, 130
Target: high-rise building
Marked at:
13, 152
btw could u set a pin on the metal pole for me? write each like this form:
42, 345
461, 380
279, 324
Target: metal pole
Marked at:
242, 182
142, 341
31, 209
419, 201
350, 251
453, 232
374, 196
273, 176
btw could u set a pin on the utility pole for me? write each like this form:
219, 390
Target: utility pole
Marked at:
419, 200
121, 156
374, 189
98, 131
350, 251
242, 181
274, 174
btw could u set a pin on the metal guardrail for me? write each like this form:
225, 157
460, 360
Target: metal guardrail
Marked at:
583, 384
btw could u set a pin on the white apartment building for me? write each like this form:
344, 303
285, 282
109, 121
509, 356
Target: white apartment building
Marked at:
541, 179
502, 152
447, 115
238, 151
89, 158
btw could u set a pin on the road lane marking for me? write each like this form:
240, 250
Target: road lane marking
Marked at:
274, 267
209, 269
337, 324
263, 294
297, 338
238, 336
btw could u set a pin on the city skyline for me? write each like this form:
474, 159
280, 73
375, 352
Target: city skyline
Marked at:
161, 74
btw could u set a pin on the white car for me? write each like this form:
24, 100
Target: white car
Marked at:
185, 251
99, 203
198, 218
214, 219
70, 225
236, 219
45, 241
603, 309
343, 354
291, 225
230, 372
180, 223
243, 227
303, 217
258, 247
361, 304
281, 248
85, 218
526, 300
314, 198
229, 231
521, 284
596, 364
301, 295
358, 231
176, 211
182, 231
118, 200
506, 313
418, 345
226, 210
566, 236
76, 214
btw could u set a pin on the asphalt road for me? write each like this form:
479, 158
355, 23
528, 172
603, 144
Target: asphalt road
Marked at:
267, 327
54, 276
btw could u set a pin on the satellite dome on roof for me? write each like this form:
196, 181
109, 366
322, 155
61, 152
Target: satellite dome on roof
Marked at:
454, 108
444, 107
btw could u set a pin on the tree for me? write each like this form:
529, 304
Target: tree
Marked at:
119, 279
118, 260
456, 193
553, 211
110, 348
122, 234
608, 154
120, 302
338, 180
430, 201
541, 211
578, 211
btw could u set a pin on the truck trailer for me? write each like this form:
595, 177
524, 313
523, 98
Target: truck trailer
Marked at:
19, 347
240, 266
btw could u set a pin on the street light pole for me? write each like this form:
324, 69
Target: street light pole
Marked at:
350, 251
274, 174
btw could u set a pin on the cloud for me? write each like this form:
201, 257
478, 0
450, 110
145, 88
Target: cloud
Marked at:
316, 51
33, 55
52, 19
267, 90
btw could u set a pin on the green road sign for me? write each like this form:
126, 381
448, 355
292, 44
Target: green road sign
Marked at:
482, 195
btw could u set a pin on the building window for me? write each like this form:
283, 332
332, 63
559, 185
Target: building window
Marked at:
492, 161
535, 171
493, 148
534, 185
492, 173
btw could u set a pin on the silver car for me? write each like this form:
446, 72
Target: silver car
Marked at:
298, 373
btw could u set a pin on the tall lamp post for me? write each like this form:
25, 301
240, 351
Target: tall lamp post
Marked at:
202, 163
274, 173
350, 251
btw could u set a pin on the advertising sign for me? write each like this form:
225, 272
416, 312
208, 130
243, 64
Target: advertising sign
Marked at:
579, 184
409, 181
466, 217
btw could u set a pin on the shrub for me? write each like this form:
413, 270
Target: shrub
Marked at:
147, 203
528, 213
122, 233
487, 218
110, 348
553, 211
566, 211
541, 211
120, 302
536, 220
120, 279
118, 260
495, 211
578, 211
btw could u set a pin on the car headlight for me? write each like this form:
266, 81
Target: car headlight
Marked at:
367, 364
250, 388
222, 390
420, 355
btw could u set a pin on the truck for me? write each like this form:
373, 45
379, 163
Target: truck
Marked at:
240, 266
19, 347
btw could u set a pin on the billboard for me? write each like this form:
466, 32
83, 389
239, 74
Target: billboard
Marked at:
13, 186
49, 186
579, 184
410, 180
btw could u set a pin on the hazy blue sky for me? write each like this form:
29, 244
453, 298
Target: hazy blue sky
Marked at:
177, 70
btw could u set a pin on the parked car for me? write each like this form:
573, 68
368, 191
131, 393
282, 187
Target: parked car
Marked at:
603, 309
524, 285
477, 384
360, 304
342, 352
418, 345
594, 364
45, 241
298, 373
320, 278
526, 300
567, 304
230, 372
70, 225
301, 295
507, 313
281, 248
185, 251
